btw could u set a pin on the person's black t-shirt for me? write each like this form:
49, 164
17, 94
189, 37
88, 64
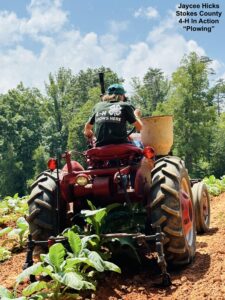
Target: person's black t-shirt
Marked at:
110, 122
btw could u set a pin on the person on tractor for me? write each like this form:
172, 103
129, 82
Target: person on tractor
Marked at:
110, 117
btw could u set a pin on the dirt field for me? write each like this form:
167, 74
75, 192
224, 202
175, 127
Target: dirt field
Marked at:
204, 279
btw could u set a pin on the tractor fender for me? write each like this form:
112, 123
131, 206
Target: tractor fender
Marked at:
76, 166
143, 178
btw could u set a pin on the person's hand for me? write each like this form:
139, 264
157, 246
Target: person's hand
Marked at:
137, 113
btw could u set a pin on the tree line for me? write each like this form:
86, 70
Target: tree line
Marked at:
35, 126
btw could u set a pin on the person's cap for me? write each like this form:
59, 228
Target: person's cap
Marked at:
116, 89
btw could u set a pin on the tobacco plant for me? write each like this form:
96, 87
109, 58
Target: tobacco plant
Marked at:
4, 254
11, 208
67, 269
215, 186
5, 294
16, 236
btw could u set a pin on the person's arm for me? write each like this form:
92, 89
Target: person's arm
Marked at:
88, 130
137, 113
138, 124
133, 117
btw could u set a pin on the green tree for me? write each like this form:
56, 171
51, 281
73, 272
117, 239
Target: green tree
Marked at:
218, 95
194, 118
20, 134
217, 162
76, 138
154, 90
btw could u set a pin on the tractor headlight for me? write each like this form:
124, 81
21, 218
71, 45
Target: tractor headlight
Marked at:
82, 179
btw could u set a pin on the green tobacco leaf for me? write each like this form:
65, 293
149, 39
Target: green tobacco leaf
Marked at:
94, 217
45, 258
96, 260
56, 255
93, 239
36, 269
34, 287
8, 241
75, 242
5, 231
90, 213
14, 232
69, 296
112, 206
16, 196
76, 281
22, 224
101, 265
4, 254
20, 298
127, 243
91, 205
108, 266
39, 296
72, 262
100, 215
4, 292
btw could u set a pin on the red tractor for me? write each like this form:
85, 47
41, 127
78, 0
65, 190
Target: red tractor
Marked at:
165, 209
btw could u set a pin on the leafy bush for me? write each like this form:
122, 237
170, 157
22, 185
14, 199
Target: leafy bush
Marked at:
215, 186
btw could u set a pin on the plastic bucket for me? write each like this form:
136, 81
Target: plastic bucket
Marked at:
157, 132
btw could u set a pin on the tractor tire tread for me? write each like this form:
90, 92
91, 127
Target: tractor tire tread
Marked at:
33, 215
164, 206
42, 207
44, 204
44, 187
157, 200
43, 224
170, 190
173, 232
170, 174
157, 181
176, 250
34, 195
158, 167
159, 221
37, 181
171, 211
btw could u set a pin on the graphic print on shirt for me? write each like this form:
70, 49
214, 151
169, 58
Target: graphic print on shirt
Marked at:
115, 110
112, 114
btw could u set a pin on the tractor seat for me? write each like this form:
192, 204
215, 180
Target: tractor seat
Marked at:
113, 151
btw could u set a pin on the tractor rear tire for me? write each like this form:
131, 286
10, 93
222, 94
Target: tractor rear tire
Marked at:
42, 217
170, 205
202, 207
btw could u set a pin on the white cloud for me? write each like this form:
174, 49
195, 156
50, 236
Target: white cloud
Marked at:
116, 26
17, 65
149, 13
163, 48
9, 28
45, 16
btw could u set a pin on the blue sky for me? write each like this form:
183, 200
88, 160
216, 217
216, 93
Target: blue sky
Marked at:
129, 36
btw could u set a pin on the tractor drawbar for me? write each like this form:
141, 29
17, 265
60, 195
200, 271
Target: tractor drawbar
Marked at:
157, 238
